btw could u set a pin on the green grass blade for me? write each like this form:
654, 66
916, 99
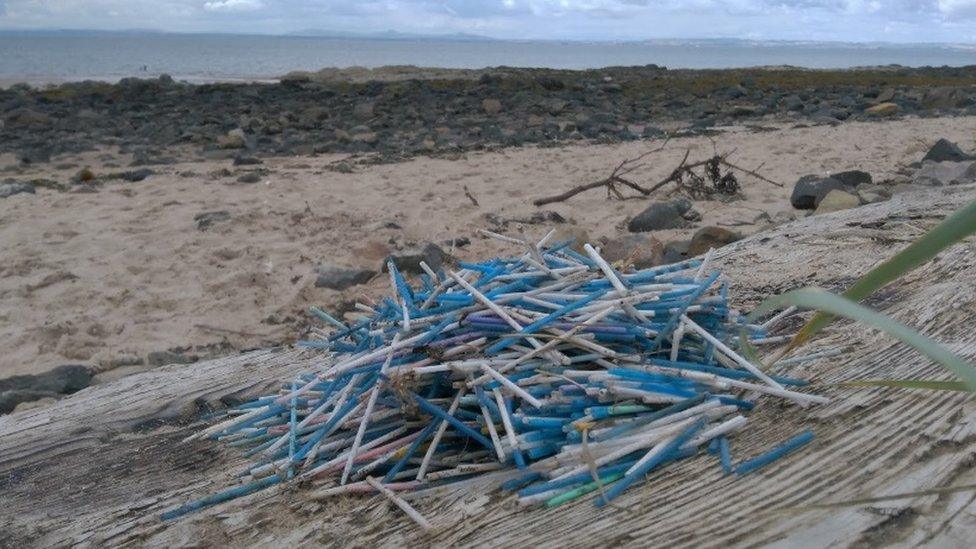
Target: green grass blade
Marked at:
907, 384
953, 229
822, 300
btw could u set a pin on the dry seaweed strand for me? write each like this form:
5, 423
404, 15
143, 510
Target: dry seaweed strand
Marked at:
684, 176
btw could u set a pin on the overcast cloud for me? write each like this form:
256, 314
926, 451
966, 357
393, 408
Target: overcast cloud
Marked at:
846, 20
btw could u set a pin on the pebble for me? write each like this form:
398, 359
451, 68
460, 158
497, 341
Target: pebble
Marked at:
250, 177
16, 187
408, 260
809, 190
661, 215
338, 277
206, 219
883, 109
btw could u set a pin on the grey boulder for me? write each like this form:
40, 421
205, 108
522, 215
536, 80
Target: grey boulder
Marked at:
336, 277
946, 151
17, 187
408, 260
661, 215
938, 174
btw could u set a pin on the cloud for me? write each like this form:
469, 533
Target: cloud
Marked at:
849, 20
958, 9
233, 5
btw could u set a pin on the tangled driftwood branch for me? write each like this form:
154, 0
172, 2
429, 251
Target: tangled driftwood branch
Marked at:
683, 175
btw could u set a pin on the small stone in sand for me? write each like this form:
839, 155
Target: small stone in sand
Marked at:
809, 190
17, 187
883, 109
206, 219
660, 216
250, 177
408, 260
337, 277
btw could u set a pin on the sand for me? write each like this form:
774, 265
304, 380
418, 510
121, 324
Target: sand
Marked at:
105, 276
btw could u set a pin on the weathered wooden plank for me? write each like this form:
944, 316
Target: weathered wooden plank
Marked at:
98, 467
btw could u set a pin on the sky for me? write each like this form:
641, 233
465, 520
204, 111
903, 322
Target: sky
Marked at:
821, 20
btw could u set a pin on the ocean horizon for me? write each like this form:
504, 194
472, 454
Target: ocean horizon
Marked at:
62, 56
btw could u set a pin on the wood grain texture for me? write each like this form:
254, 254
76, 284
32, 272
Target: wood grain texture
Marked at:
98, 467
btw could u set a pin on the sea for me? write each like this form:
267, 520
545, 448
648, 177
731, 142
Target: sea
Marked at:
51, 57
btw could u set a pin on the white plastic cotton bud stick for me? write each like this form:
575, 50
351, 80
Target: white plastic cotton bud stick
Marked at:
730, 353
373, 395
399, 502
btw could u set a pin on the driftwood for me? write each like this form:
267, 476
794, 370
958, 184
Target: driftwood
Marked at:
97, 468
678, 175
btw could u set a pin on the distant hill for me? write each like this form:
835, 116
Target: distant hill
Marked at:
391, 35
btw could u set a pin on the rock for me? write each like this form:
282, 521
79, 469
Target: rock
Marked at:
242, 160
85, 175
163, 358
738, 111
27, 119
35, 155
408, 261
250, 177
364, 110
837, 200
946, 151
944, 98
459, 242
810, 190
491, 106
853, 178
10, 401
339, 278
571, 233
793, 103
883, 109
711, 237
16, 187
206, 219
885, 95
652, 131
945, 173
535, 218
676, 251
661, 215
641, 250
134, 176
63, 380
365, 137
234, 139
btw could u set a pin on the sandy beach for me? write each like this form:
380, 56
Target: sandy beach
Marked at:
106, 275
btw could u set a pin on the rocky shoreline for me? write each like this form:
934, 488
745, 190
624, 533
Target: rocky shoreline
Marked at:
452, 111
